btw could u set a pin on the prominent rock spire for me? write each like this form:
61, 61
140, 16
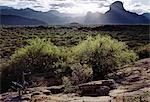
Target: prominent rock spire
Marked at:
118, 5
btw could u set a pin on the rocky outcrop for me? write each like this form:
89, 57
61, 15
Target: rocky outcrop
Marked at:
129, 89
46, 92
97, 88
56, 89
133, 77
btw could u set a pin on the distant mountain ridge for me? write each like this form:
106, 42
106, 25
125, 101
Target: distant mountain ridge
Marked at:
147, 15
49, 17
116, 15
17, 20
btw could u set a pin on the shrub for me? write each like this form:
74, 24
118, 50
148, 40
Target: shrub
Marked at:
143, 51
80, 74
38, 56
103, 54
69, 87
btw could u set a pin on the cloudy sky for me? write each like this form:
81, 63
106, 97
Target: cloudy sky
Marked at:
77, 6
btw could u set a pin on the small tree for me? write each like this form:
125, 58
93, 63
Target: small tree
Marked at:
103, 53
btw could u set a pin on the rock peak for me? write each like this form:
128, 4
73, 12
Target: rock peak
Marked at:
117, 5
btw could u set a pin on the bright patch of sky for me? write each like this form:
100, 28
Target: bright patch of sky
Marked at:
77, 6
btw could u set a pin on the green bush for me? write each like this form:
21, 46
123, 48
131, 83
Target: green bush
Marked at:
39, 56
103, 54
143, 51
80, 74
69, 87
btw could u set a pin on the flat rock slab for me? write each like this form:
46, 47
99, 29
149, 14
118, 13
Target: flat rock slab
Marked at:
96, 88
56, 89
93, 99
66, 98
97, 84
26, 97
46, 92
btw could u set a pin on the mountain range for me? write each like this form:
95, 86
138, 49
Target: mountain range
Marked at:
116, 15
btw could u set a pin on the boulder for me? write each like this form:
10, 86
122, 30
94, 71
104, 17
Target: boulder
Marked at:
110, 83
41, 98
96, 88
26, 98
103, 91
47, 92
36, 93
56, 89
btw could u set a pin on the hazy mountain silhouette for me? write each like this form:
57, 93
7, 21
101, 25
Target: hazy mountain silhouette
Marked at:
50, 17
147, 15
115, 15
17, 20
